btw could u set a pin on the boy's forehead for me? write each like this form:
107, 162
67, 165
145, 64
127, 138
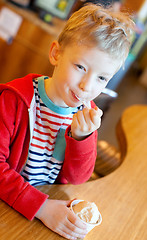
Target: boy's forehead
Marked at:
81, 49
92, 56
85, 52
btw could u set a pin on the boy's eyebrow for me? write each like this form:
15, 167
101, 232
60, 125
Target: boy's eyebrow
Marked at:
105, 74
84, 61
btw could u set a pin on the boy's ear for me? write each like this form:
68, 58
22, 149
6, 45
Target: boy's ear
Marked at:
54, 53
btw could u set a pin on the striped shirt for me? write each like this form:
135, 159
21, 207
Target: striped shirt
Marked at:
47, 146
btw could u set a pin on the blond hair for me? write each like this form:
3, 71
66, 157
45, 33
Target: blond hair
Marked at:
94, 25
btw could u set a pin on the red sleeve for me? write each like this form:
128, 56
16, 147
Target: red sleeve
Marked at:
79, 159
13, 130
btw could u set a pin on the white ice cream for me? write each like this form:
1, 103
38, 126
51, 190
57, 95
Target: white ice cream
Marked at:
86, 211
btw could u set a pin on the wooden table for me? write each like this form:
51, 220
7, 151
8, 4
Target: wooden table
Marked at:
120, 196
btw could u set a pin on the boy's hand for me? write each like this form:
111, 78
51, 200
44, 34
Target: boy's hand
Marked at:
85, 122
59, 218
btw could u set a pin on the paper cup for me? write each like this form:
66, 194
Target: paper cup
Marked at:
90, 226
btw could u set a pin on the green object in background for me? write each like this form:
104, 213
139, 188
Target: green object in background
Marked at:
48, 18
140, 42
62, 5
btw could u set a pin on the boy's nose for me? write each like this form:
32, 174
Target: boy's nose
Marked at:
86, 84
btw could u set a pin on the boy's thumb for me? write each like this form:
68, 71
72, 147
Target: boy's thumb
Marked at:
70, 201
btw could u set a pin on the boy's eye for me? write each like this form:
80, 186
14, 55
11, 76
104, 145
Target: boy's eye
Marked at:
102, 78
80, 67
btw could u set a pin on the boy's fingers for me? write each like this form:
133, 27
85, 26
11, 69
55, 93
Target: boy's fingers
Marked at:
95, 114
70, 201
100, 112
80, 117
76, 221
68, 234
75, 121
76, 229
86, 115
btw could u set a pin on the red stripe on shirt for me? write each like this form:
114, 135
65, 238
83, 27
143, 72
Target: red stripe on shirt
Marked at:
43, 133
65, 124
50, 122
52, 115
47, 127
43, 140
38, 146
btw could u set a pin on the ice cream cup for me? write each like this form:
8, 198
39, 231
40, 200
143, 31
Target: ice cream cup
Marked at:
90, 226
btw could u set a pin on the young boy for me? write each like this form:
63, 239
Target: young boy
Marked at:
48, 126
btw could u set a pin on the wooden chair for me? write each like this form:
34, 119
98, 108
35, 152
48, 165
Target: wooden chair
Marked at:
108, 157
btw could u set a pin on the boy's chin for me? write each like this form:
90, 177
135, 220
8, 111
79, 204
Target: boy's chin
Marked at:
74, 105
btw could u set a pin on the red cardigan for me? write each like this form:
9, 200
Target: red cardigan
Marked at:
15, 100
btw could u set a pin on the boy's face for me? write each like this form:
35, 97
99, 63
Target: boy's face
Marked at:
80, 72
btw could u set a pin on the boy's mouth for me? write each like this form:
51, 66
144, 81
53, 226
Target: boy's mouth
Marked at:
79, 99
75, 96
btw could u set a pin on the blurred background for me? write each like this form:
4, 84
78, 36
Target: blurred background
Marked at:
28, 27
